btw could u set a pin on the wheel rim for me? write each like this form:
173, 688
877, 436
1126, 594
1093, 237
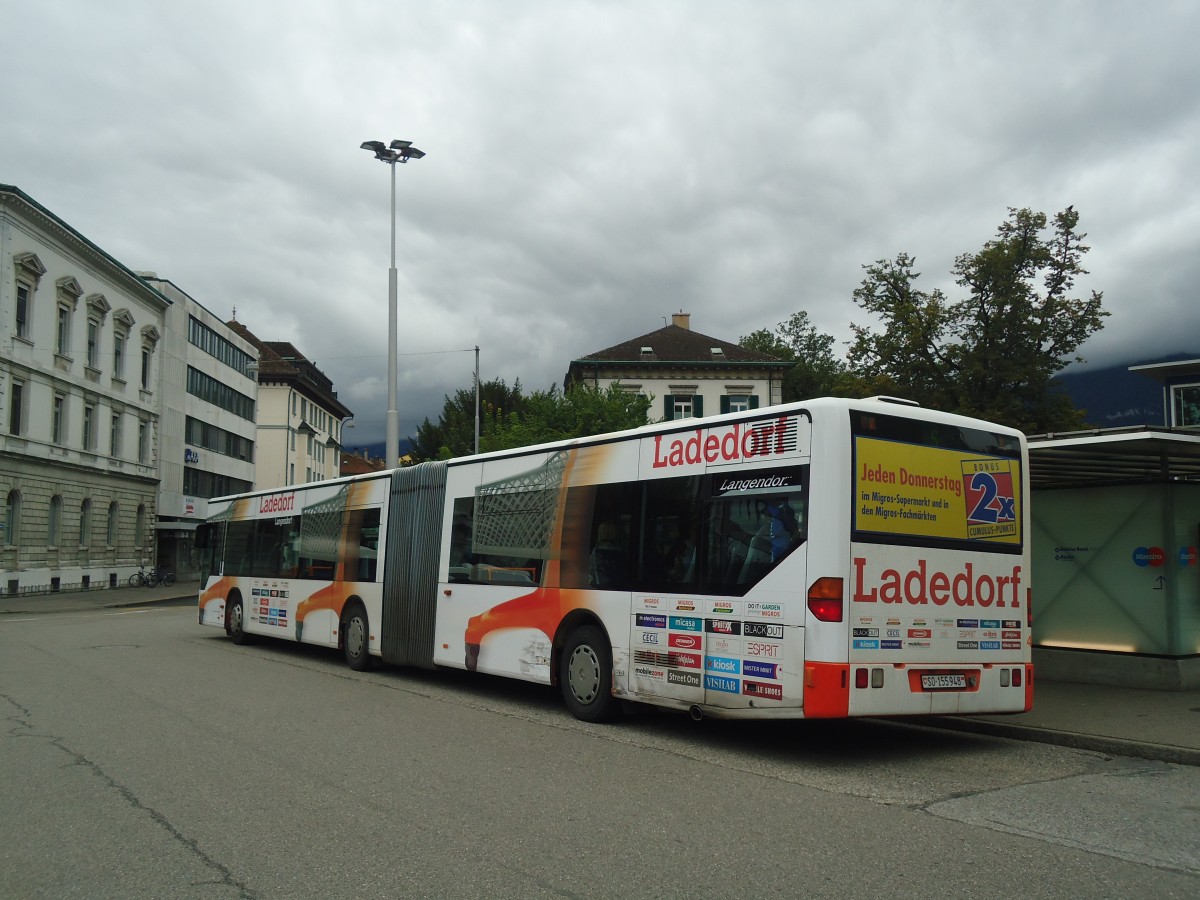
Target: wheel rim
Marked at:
355, 634
235, 619
583, 673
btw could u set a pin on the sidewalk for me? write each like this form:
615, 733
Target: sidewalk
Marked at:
1160, 725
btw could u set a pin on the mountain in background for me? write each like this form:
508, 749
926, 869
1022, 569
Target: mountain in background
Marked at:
1114, 397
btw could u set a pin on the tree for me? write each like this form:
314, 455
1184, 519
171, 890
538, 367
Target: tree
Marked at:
816, 373
579, 411
454, 433
512, 419
994, 352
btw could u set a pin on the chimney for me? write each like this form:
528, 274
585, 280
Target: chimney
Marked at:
682, 319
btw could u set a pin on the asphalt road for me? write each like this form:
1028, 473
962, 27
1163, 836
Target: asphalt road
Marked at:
144, 756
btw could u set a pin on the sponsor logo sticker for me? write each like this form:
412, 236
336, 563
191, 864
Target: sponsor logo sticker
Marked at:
1010, 645
762, 630
866, 632
684, 660
866, 645
891, 645
759, 689
968, 623
919, 633
722, 664
687, 679
645, 621
761, 649
760, 669
968, 645
989, 645
719, 683
722, 626
685, 641
1011, 623
650, 637
685, 623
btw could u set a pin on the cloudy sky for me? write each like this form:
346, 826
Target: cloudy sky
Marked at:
593, 167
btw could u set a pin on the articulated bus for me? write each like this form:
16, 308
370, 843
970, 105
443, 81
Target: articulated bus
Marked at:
820, 559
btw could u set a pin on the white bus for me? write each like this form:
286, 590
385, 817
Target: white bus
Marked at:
821, 559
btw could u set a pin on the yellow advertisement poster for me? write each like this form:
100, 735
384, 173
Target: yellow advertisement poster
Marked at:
929, 492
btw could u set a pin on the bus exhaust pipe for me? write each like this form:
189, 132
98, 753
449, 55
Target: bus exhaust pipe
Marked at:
696, 713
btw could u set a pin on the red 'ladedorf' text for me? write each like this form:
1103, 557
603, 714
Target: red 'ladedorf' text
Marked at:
919, 586
277, 503
739, 442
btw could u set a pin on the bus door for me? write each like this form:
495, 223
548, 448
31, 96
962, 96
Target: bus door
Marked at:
753, 653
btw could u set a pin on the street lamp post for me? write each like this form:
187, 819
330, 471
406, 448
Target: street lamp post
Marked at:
396, 152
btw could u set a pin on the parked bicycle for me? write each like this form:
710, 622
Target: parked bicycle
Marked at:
159, 577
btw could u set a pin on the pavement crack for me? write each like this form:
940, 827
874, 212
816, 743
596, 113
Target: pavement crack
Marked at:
23, 728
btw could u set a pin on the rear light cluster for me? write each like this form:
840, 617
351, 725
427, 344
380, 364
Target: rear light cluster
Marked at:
825, 599
1012, 677
868, 678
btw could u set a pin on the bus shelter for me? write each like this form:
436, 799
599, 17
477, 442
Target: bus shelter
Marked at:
1116, 584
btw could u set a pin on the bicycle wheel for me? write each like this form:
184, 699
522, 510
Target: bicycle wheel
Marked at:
137, 579
168, 579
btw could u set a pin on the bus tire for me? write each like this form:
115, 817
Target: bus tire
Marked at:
585, 675
356, 637
235, 621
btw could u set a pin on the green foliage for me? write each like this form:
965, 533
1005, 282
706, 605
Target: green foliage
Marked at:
817, 372
511, 418
454, 433
994, 352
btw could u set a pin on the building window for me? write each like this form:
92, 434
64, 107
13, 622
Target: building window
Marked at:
143, 442
139, 528
85, 523
89, 427
63, 341
738, 403
119, 338
29, 271
114, 440
217, 346
24, 301
57, 421
146, 355
93, 343
110, 534
54, 521
16, 408
682, 406
12, 518
210, 390
1185, 405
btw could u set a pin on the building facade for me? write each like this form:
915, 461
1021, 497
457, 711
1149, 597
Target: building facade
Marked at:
685, 373
79, 406
300, 419
206, 446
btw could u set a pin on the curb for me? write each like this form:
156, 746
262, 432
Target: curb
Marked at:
185, 598
1184, 756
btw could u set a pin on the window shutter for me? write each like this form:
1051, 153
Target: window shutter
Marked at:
697, 406
754, 401
724, 403
669, 407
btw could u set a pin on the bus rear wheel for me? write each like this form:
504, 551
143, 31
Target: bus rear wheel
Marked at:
356, 642
585, 675
235, 621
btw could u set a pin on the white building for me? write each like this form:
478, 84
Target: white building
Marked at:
206, 440
80, 355
686, 373
300, 418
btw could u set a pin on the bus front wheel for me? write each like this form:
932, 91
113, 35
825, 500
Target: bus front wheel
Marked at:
235, 621
585, 675
356, 642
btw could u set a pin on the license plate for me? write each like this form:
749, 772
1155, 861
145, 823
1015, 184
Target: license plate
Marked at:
957, 681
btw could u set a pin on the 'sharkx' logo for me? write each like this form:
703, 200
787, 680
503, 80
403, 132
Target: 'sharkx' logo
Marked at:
991, 498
